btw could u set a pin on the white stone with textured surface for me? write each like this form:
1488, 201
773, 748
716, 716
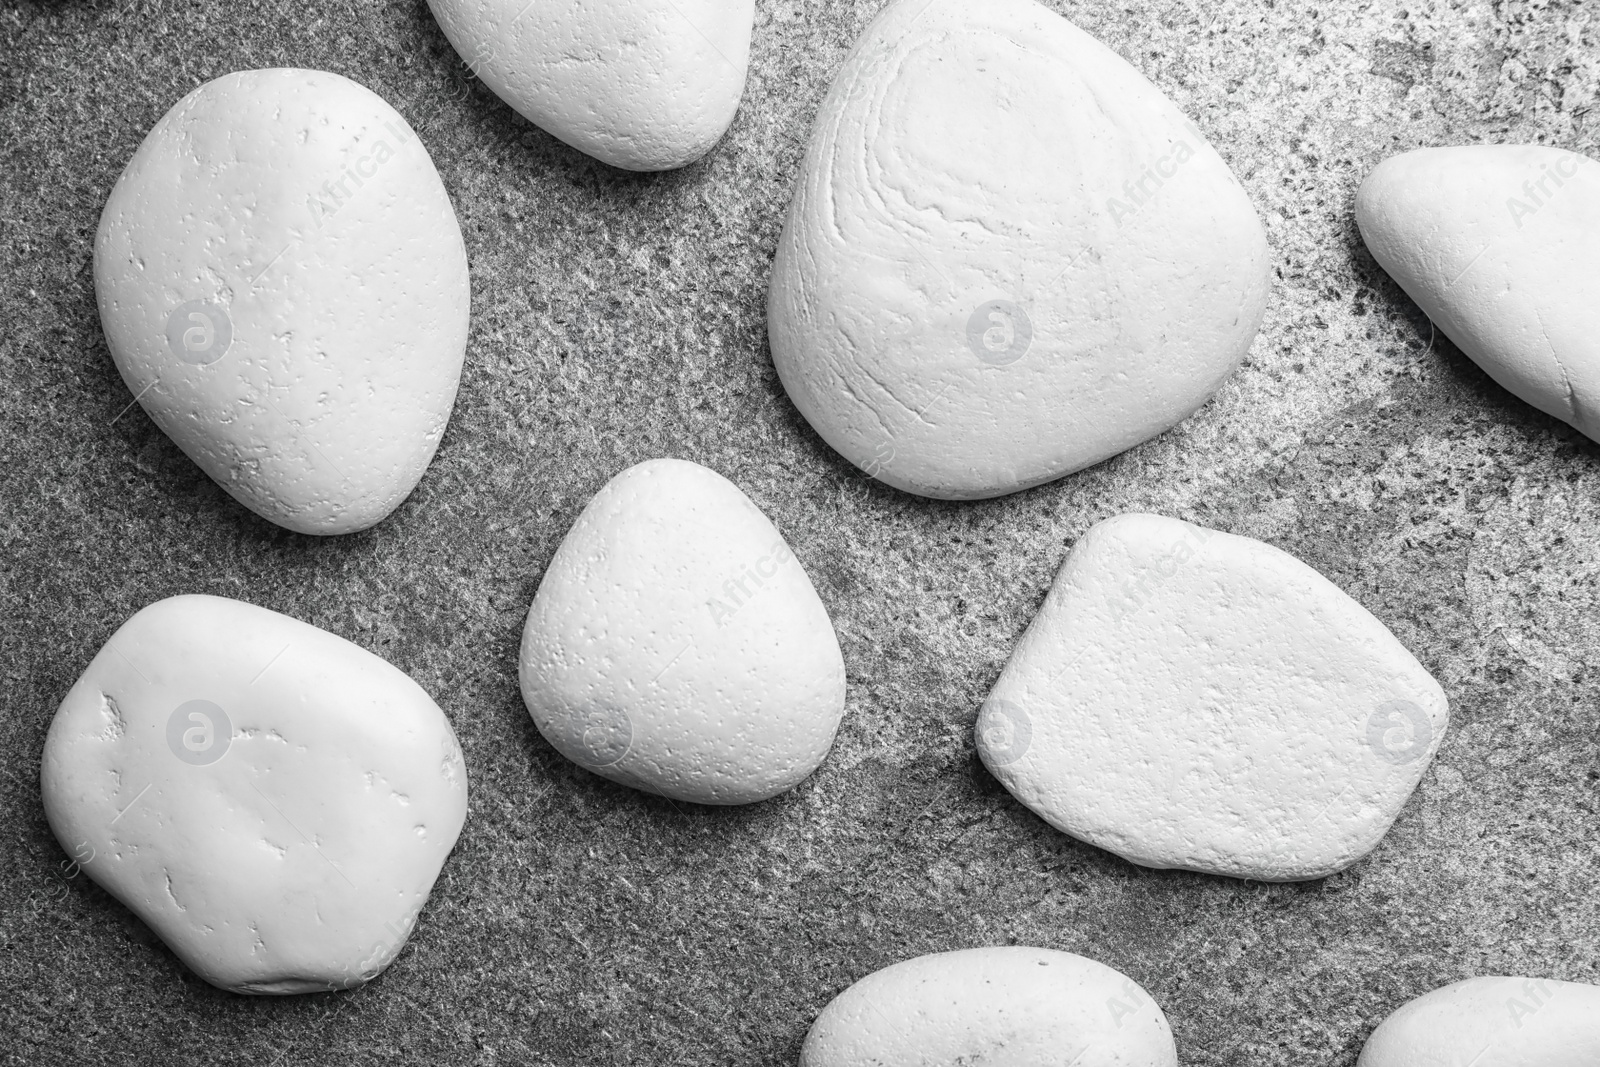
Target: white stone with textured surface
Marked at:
1500, 246
272, 800
1014, 1006
677, 646
1492, 1022
639, 84
1195, 699
1008, 257
284, 288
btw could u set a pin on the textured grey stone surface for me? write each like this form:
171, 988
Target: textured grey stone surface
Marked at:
619, 317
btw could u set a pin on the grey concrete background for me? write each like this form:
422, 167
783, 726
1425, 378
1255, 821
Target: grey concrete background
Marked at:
617, 318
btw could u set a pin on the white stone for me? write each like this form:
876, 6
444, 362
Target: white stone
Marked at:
284, 288
273, 801
1188, 698
1007, 1007
676, 645
1500, 246
1008, 257
639, 84
1492, 1022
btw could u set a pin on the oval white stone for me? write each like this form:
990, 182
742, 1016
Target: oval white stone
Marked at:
1500, 246
284, 288
1009, 1007
676, 645
1009, 256
1492, 1022
272, 800
639, 84
1188, 698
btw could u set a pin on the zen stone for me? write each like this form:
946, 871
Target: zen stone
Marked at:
1010, 1007
273, 801
1009, 256
639, 84
1500, 246
1194, 699
676, 645
284, 288
1492, 1022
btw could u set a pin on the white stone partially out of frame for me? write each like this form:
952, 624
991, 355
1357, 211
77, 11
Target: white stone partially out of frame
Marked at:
1009, 1006
272, 800
1492, 1022
1194, 699
644, 85
1500, 246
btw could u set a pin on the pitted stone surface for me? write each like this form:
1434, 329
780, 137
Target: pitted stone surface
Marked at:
1188, 698
284, 288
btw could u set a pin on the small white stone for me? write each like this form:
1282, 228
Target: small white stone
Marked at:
1008, 257
1188, 698
676, 645
1011, 1007
272, 800
283, 286
1500, 246
1492, 1022
639, 84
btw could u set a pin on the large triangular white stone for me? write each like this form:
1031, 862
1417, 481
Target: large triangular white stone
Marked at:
1500, 246
1188, 698
1008, 257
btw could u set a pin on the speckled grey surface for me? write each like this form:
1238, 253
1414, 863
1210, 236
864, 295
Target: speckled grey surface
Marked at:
618, 317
